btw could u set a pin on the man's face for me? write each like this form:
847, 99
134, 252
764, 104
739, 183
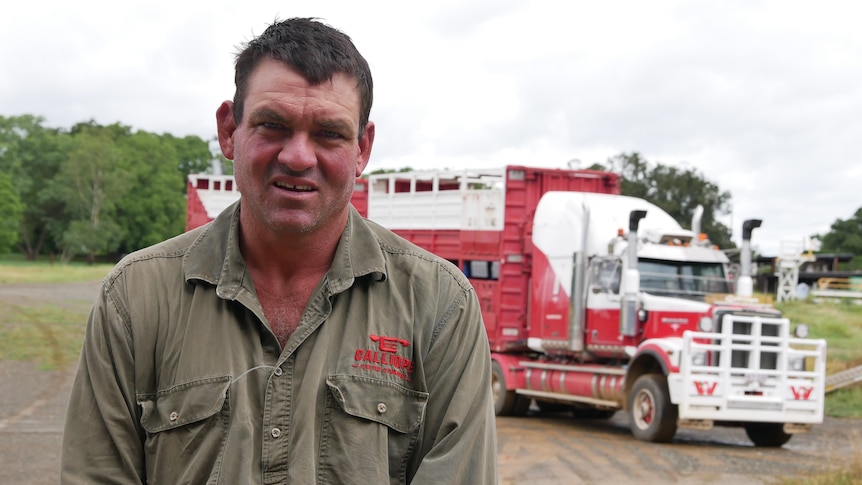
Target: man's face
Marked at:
296, 152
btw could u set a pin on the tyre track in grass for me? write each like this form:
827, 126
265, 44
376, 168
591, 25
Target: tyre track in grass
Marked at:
56, 361
32, 400
22, 301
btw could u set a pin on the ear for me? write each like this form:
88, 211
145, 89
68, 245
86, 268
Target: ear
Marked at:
365, 144
226, 126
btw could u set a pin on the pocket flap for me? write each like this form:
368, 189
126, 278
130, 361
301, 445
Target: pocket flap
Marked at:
384, 402
183, 404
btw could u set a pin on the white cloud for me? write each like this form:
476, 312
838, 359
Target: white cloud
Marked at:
760, 96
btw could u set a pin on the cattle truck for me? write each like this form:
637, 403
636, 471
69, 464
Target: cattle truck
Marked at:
595, 302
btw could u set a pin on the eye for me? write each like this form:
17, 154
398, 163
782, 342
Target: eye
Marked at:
333, 130
330, 134
269, 125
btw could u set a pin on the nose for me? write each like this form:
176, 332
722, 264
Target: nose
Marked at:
297, 152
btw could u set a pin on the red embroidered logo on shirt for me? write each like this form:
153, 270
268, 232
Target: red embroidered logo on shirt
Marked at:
388, 344
384, 358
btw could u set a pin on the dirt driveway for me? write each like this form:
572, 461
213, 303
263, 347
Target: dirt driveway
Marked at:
547, 449
560, 450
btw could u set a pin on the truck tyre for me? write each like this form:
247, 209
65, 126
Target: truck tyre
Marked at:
769, 435
652, 417
506, 402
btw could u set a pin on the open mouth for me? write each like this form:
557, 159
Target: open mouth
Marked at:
294, 188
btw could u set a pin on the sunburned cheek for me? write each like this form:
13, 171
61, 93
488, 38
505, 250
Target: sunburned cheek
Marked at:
255, 147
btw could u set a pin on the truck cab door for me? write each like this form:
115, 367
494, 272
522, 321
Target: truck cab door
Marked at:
603, 307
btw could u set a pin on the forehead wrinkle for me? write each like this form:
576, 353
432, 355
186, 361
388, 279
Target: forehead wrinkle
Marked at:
332, 124
280, 93
266, 113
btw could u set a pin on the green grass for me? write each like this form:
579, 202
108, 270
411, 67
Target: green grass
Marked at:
19, 272
48, 335
844, 403
840, 324
851, 476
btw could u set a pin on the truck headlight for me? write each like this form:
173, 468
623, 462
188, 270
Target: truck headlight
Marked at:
705, 324
797, 364
698, 358
801, 330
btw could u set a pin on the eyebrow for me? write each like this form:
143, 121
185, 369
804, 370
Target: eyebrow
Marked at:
337, 125
334, 124
266, 114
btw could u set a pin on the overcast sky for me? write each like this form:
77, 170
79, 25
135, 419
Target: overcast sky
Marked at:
764, 98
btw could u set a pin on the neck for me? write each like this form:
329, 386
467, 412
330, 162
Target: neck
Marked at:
278, 256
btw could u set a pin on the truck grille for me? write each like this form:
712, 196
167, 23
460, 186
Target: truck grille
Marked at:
750, 369
761, 342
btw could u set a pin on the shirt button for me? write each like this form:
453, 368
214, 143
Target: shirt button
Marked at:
174, 416
278, 371
381, 408
275, 432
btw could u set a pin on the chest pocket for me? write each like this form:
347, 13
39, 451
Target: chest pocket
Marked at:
186, 429
370, 427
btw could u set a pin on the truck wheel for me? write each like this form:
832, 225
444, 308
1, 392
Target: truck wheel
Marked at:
652, 417
506, 402
770, 435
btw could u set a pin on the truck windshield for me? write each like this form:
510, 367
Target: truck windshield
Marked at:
682, 279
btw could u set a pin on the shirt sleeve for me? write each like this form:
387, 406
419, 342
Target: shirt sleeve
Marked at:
459, 432
102, 440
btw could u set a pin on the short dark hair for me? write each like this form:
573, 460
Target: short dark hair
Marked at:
315, 49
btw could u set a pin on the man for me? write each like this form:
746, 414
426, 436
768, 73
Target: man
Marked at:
290, 340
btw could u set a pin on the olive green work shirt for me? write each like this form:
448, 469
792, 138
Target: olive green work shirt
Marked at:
386, 380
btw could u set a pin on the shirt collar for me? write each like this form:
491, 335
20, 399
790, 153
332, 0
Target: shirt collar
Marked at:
215, 257
358, 254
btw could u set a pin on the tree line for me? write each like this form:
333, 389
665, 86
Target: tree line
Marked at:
679, 190
106, 190
676, 190
92, 190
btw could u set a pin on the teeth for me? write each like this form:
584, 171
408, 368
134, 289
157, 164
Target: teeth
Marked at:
302, 188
